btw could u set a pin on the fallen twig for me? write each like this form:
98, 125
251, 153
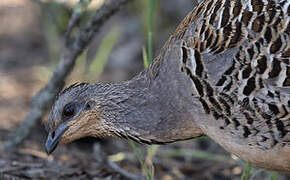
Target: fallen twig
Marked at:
121, 171
36, 153
101, 158
72, 49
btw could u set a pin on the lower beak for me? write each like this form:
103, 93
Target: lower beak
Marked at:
54, 138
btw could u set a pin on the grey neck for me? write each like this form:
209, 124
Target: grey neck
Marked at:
154, 107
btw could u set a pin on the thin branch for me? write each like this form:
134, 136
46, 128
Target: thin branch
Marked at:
72, 49
75, 17
122, 172
102, 158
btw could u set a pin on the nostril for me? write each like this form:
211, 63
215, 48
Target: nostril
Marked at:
52, 134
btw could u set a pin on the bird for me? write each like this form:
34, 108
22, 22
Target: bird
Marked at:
224, 73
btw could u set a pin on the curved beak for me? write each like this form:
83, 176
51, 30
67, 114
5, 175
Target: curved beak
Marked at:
54, 138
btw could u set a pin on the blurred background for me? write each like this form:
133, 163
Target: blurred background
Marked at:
31, 37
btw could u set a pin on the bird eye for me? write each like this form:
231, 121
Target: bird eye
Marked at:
68, 110
88, 106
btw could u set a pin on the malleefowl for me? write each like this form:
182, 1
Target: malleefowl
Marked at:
224, 73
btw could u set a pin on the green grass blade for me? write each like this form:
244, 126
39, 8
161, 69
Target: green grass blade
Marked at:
247, 171
137, 152
273, 175
150, 27
106, 46
141, 159
146, 60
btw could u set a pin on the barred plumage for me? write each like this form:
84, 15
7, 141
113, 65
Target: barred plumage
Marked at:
224, 73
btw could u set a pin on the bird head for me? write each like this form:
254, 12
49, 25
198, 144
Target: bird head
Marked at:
75, 114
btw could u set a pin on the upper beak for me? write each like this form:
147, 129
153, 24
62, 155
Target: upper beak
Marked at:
54, 138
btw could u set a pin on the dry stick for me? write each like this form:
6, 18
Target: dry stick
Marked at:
76, 15
122, 172
73, 48
102, 158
